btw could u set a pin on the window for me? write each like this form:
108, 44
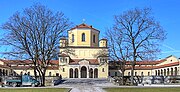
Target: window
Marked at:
135, 73
49, 73
63, 70
61, 59
72, 37
0, 72
6, 72
83, 37
141, 73
65, 60
103, 70
57, 74
148, 73
115, 74
94, 39
128, 73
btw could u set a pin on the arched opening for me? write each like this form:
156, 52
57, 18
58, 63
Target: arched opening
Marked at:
72, 37
95, 73
76, 73
83, 72
171, 71
168, 72
3, 72
91, 73
148, 73
49, 73
164, 72
71, 73
158, 72
94, 39
28, 73
128, 73
83, 37
0, 72
175, 71
161, 72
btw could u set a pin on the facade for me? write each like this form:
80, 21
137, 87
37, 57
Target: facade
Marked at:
18, 67
164, 67
5, 70
81, 54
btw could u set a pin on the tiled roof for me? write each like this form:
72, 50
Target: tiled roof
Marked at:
25, 62
84, 26
17, 62
168, 65
63, 55
153, 67
91, 61
31, 67
145, 62
141, 67
4, 66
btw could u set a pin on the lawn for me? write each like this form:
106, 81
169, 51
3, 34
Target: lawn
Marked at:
34, 90
142, 89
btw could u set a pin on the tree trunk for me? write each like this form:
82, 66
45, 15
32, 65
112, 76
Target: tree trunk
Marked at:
123, 82
43, 79
35, 73
132, 73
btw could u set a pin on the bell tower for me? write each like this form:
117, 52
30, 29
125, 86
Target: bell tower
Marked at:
63, 42
103, 43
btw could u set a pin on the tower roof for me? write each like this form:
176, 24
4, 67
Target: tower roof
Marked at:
83, 25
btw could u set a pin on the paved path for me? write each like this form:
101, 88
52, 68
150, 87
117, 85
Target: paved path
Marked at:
86, 85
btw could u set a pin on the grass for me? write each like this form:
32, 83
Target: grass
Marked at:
34, 90
142, 89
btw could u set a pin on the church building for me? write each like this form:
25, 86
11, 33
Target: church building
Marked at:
82, 54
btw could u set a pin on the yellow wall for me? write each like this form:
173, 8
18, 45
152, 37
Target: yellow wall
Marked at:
145, 72
96, 33
103, 43
88, 37
102, 74
88, 53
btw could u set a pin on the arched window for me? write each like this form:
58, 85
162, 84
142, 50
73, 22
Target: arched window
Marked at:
94, 39
72, 37
128, 73
83, 37
103, 70
65, 60
49, 73
135, 73
148, 73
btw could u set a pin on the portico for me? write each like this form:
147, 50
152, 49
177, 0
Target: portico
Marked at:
83, 70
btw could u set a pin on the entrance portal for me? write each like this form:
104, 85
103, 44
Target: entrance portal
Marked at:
83, 72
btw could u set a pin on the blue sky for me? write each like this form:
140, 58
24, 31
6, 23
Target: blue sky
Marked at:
99, 13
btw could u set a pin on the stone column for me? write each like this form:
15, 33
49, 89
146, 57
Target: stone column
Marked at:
92, 72
73, 72
87, 72
79, 73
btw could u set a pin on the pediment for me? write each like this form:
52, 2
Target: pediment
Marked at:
83, 62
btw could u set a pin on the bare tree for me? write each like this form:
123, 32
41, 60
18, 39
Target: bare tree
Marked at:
135, 35
34, 34
119, 52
